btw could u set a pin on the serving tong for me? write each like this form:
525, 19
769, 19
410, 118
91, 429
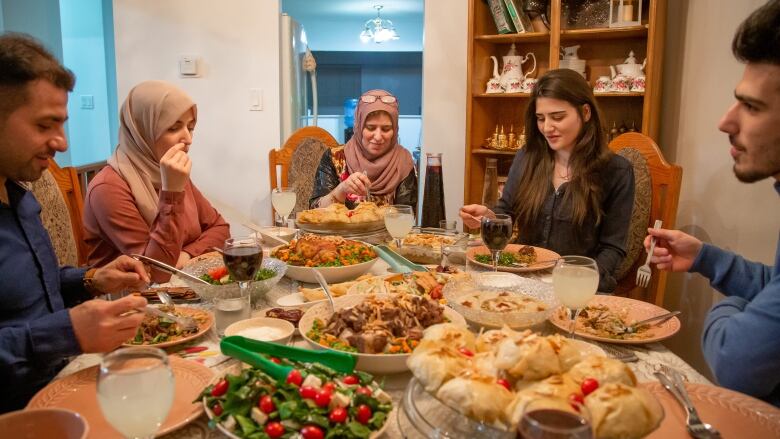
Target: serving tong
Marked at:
249, 351
167, 268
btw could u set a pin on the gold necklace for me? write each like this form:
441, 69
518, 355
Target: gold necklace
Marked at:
567, 176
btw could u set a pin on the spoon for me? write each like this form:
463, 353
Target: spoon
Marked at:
325, 288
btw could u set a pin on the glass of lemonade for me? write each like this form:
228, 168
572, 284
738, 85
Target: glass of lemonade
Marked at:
575, 280
399, 220
283, 199
135, 389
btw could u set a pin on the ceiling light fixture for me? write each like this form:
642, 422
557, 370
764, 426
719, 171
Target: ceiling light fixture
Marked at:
378, 29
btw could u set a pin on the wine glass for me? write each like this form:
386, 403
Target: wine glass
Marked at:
283, 199
399, 220
135, 389
495, 234
551, 419
242, 256
575, 280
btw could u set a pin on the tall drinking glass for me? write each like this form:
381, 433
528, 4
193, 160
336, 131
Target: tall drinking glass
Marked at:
135, 389
283, 199
495, 235
575, 280
242, 256
546, 419
399, 220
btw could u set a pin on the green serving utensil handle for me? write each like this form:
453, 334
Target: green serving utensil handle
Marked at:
396, 261
249, 351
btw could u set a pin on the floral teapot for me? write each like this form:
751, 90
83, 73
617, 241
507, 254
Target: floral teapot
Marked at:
512, 73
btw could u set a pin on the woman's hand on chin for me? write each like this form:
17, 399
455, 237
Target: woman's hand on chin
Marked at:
175, 168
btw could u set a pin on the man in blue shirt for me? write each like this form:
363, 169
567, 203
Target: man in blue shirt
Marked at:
741, 340
45, 311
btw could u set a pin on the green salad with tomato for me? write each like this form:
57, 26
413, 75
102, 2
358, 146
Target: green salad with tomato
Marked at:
220, 275
315, 402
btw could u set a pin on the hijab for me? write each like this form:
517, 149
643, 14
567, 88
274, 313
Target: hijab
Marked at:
388, 170
151, 108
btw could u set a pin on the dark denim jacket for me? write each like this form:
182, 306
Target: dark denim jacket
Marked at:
36, 335
554, 229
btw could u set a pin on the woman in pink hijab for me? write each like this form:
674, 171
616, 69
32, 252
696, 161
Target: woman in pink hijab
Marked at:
372, 161
144, 201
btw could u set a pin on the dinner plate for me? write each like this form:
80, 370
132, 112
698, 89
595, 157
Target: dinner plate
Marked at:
205, 325
734, 414
546, 258
78, 392
636, 311
296, 300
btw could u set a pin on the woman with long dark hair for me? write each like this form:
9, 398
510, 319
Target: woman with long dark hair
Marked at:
566, 191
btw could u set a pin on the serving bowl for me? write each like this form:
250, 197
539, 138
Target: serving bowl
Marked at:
374, 363
283, 327
50, 423
332, 275
202, 264
493, 284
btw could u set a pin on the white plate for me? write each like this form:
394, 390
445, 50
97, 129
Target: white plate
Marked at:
296, 300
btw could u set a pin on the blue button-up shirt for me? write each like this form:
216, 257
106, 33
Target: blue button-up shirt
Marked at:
36, 334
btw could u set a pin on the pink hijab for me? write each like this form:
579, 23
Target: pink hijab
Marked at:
387, 171
151, 108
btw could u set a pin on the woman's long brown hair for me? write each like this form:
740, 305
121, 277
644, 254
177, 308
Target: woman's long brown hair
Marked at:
588, 159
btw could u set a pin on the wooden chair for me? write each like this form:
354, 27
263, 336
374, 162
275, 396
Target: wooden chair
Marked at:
68, 182
282, 157
664, 187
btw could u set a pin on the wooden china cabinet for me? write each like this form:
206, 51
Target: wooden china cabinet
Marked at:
600, 47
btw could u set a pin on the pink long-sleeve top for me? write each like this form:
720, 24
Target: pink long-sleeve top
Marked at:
113, 225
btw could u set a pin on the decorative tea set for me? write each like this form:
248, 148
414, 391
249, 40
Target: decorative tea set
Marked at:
626, 77
502, 141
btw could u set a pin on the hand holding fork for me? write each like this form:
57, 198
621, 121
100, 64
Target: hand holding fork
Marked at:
643, 274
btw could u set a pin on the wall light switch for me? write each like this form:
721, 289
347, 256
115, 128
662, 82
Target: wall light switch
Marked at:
188, 66
87, 102
255, 99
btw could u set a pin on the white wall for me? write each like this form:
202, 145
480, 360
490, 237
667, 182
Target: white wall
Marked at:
700, 74
444, 94
238, 45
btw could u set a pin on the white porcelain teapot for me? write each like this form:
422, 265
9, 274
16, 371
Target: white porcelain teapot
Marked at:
513, 67
630, 68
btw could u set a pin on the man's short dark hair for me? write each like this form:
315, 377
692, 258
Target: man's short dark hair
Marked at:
24, 60
758, 38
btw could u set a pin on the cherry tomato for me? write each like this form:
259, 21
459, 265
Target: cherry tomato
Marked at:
338, 415
266, 404
312, 432
589, 385
504, 383
350, 380
218, 272
576, 401
307, 392
276, 360
364, 391
328, 387
436, 292
220, 388
322, 399
294, 377
466, 352
274, 429
217, 409
363, 414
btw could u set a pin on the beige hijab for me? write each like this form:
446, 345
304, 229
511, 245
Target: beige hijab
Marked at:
385, 172
151, 108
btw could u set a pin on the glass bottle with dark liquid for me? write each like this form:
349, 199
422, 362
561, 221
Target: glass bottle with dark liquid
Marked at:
433, 194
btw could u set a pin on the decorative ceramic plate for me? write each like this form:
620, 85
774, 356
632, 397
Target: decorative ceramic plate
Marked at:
733, 414
78, 392
545, 259
204, 318
635, 310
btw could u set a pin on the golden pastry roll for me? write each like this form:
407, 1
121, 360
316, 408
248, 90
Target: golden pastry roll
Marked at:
604, 370
618, 411
489, 340
478, 397
434, 362
530, 358
452, 335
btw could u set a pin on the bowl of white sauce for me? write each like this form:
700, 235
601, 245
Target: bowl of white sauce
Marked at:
263, 329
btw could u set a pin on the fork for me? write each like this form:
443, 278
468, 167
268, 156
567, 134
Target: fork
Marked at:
643, 273
694, 424
186, 323
618, 353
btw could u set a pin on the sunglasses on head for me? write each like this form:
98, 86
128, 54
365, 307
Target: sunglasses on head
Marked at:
370, 99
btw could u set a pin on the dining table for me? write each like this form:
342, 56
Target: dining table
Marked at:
649, 358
